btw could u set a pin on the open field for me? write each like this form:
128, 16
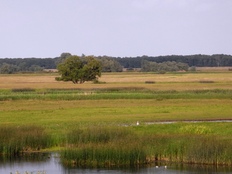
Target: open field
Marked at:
70, 114
214, 69
92, 123
174, 81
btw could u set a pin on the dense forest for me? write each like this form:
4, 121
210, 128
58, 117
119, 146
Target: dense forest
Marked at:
116, 64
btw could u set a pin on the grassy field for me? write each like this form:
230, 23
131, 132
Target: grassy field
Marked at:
95, 124
174, 81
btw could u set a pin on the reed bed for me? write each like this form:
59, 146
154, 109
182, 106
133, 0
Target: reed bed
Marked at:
103, 147
104, 155
16, 140
114, 146
109, 147
209, 150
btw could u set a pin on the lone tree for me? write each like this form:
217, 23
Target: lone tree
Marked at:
79, 69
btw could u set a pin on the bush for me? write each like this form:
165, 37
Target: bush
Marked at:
23, 90
206, 81
150, 82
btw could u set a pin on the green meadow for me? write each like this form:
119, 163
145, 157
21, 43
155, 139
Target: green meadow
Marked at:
95, 124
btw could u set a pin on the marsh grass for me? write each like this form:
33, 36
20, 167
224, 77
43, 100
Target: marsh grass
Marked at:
209, 150
15, 140
112, 146
96, 134
195, 129
107, 147
103, 147
111, 93
104, 155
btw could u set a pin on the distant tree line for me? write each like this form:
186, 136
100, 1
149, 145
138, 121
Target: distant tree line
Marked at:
116, 64
9, 66
192, 60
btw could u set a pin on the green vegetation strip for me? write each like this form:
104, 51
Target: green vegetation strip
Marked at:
15, 140
27, 94
110, 146
106, 147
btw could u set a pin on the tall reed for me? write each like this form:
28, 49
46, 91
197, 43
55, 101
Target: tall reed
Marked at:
98, 134
107, 147
209, 150
104, 155
103, 146
15, 140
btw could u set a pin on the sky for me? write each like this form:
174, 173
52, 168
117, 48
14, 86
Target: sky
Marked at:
118, 28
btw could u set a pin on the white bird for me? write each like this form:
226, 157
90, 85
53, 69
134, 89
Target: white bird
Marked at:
137, 123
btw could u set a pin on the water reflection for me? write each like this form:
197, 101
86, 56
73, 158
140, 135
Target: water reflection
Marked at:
50, 164
32, 163
173, 169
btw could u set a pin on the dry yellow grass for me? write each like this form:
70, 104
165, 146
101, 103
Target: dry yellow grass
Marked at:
179, 81
225, 68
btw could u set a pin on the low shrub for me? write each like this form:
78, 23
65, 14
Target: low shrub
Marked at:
23, 90
206, 81
150, 82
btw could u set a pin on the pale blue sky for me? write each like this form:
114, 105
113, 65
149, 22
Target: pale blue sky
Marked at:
46, 28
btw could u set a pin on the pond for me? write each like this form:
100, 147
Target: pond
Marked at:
46, 163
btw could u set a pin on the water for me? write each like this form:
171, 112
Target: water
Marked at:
50, 164
189, 121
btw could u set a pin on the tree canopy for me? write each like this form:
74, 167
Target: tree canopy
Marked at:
79, 69
148, 66
109, 64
